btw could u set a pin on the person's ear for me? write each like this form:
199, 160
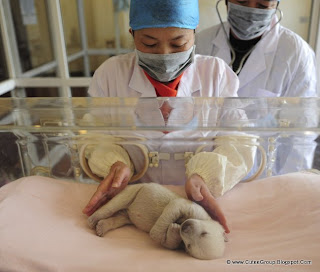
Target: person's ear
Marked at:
131, 32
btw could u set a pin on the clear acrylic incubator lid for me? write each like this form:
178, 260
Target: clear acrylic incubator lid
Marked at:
157, 114
47, 136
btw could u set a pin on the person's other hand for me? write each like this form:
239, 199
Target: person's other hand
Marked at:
197, 190
114, 183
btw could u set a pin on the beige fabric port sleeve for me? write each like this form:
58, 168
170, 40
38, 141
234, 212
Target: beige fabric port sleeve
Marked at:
102, 156
223, 168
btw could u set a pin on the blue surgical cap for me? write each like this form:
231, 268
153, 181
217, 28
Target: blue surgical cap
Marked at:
164, 13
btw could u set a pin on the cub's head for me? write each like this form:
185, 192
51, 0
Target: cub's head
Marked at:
203, 239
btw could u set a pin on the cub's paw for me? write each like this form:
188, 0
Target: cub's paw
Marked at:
92, 222
101, 228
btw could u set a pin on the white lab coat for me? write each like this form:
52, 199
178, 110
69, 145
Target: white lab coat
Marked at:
121, 76
282, 64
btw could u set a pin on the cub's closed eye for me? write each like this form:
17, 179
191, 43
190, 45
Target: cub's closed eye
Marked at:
188, 246
204, 234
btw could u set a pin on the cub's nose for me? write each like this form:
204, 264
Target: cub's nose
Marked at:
186, 227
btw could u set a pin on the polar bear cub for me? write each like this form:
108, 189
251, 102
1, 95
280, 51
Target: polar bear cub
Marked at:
170, 219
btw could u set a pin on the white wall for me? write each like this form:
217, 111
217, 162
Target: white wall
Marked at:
297, 15
208, 14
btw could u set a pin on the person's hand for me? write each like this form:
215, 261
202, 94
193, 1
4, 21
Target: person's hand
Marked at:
197, 191
114, 183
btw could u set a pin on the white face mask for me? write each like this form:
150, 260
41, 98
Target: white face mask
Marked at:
165, 67
249, 23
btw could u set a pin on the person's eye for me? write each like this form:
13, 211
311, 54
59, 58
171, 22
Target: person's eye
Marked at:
150, 45
260, 6
178, 45
242, 2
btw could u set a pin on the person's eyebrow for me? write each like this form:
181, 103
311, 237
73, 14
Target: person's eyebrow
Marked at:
177, 38
149, 37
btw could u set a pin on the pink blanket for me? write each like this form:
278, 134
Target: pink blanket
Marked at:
274, 222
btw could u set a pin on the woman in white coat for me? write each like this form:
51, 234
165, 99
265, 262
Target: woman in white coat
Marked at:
164, 64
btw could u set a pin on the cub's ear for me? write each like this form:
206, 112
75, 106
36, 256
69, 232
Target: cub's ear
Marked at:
226, 239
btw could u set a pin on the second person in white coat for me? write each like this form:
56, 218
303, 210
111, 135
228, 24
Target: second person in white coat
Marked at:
271, 60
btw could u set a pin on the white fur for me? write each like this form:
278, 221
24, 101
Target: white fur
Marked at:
169, 219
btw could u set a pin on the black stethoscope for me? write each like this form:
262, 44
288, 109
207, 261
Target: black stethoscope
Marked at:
233, 52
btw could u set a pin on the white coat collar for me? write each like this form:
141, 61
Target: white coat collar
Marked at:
220, 46
190, 81
139, 82
267, 45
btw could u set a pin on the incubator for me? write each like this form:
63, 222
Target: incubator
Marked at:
51, 136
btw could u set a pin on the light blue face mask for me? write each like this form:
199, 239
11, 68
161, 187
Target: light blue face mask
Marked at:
165, 67
249, 23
